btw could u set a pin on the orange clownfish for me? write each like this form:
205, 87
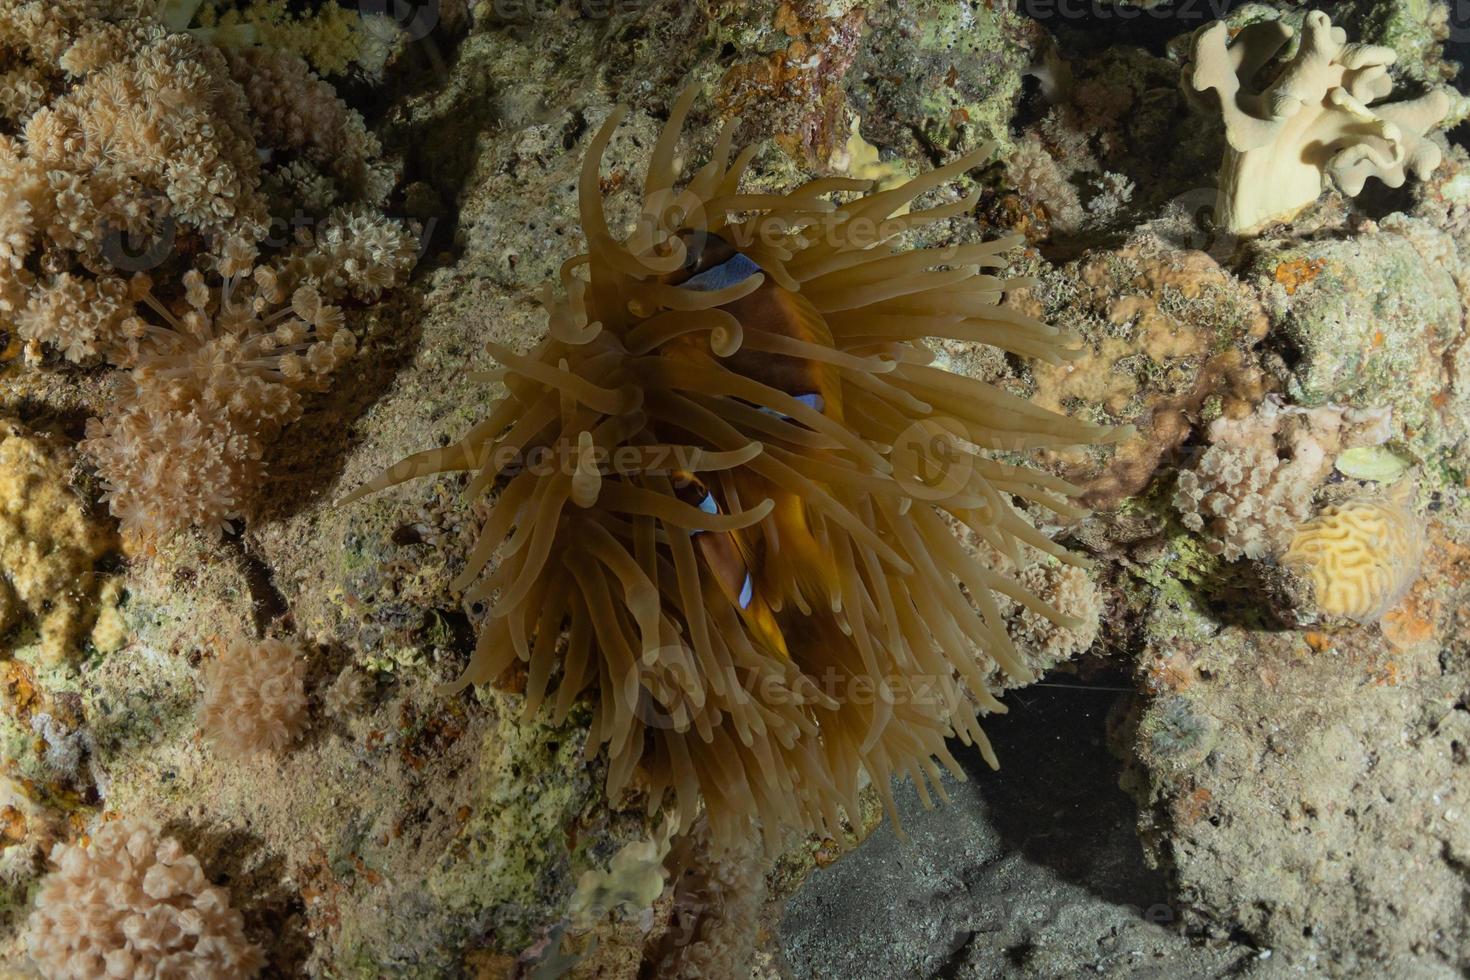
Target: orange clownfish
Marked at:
757, 574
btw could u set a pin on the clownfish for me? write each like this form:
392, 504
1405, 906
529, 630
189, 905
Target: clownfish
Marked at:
754, 574
730, 567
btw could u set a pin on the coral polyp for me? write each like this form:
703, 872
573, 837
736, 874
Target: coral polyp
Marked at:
735, 486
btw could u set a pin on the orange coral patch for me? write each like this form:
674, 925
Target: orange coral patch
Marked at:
1297, 273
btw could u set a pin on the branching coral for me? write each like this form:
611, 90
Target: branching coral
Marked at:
731, 473
254, 697
333, 38
126, 902
1362, 555
127, 132
1254, 484
1315, 122
1069, 590
49, 544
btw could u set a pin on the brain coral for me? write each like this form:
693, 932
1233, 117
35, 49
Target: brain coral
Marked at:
1362, 555
1313, 123
254, 697
126, 902
732, 477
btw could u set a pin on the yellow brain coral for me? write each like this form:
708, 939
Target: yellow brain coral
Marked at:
730, 485
1362, 555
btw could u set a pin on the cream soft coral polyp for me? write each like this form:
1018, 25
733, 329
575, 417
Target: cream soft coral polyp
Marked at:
129, 903
254, 697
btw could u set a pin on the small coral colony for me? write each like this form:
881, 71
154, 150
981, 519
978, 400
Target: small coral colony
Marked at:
776, 535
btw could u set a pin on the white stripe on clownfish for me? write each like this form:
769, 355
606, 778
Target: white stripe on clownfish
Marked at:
737, 268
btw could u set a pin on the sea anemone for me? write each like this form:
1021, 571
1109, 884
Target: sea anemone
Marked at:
733, 483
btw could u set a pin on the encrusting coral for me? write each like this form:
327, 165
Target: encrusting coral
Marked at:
254, 697
1313, 124
1254, 485
1362, 555
734, 475
49, 545
126, 902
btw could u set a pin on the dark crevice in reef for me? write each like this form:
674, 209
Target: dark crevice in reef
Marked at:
1090, 26
267, 604
1056, 797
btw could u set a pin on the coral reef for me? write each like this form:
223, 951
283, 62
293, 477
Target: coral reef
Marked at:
1362, 554
1319, 120
1372, 320
129, 902
1296, 774
254, 697
1253, 486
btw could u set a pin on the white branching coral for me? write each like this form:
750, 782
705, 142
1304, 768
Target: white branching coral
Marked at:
126, 902
1071, 591
254, 697
715, 918
216, 376
1313, 123
1254, 485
